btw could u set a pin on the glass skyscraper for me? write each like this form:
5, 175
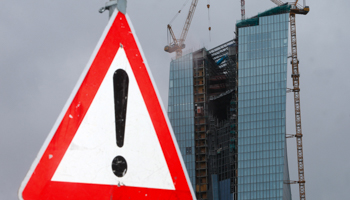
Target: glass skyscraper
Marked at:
180, 109
262, 77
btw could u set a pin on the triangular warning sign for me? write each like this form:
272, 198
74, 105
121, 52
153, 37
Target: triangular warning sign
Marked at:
112, 140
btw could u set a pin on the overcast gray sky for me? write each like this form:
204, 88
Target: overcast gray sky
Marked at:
45, 45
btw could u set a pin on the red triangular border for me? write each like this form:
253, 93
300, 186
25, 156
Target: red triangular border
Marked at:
40, 186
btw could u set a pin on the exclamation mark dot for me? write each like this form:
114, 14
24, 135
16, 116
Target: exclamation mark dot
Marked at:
121, 85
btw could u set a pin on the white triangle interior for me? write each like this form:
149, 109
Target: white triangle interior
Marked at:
93, 148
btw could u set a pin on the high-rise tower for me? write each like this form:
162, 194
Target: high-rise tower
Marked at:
262, 77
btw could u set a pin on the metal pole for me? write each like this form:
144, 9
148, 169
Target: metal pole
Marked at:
122, 6
112, 5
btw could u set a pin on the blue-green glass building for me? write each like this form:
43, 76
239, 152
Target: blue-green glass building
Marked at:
181, 107
262, 155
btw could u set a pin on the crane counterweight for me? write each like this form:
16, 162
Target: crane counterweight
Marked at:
173, 48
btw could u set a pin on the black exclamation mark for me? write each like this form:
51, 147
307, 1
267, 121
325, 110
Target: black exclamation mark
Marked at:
121, 85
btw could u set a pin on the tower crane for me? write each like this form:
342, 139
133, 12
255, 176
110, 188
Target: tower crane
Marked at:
297, 9
179, 44
243, 9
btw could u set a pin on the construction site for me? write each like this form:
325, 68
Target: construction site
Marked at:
227, 107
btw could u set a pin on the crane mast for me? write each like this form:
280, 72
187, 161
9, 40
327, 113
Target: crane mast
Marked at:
296, 9
296, 90
243, 9
178, 45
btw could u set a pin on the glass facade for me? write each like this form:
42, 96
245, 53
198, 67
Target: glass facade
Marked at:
262, 74
180, 109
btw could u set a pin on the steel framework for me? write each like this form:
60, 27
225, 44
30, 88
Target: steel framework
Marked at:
296, 90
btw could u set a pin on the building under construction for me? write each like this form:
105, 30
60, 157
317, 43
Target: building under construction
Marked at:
203, 112
227, 107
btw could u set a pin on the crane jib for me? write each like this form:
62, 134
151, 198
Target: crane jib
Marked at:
178, 44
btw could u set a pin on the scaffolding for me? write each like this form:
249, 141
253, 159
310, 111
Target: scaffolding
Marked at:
215, 101
200, 123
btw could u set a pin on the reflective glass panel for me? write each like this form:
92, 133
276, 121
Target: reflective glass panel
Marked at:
261, 107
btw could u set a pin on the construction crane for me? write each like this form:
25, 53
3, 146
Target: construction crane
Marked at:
243, 9
178, 44
278, 2
296, 9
